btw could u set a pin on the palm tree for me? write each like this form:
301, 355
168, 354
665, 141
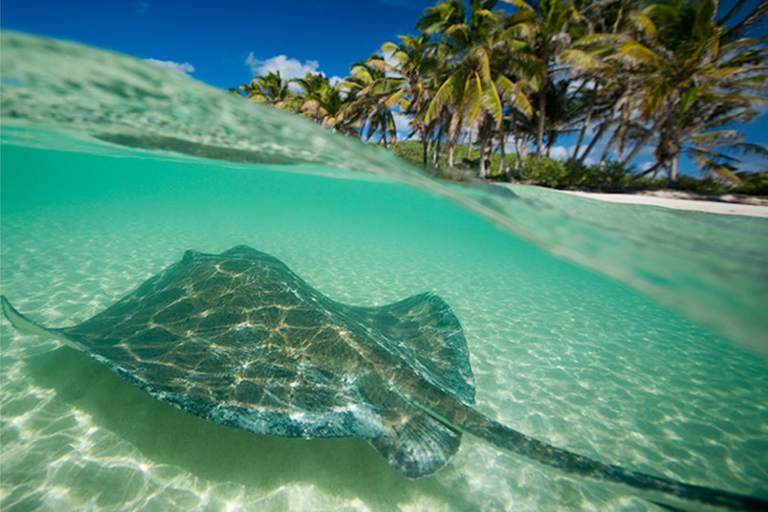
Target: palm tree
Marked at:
271, 88
678, 73
372, 96
539, 32
415, 61
599, 81
701, 76
470, 92
321, 101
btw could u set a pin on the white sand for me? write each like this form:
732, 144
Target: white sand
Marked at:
681, 201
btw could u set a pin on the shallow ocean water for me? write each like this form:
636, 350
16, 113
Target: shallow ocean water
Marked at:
559, 351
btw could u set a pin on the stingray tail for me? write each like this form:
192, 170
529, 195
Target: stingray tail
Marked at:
669, 493
26, 326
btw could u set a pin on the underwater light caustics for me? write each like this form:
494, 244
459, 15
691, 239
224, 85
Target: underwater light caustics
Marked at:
239, 339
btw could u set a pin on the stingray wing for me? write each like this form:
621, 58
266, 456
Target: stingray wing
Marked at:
243, 376
239, 339
422, 334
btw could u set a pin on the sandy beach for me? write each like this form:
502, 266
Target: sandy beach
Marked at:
730, 205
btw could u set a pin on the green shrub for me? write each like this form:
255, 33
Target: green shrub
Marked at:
701, 185
647, 183
411, 151
547, 172
754, 184
465, 168
544, 171
610, 178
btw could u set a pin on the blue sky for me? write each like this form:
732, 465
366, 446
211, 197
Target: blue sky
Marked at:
218, 37
226, 42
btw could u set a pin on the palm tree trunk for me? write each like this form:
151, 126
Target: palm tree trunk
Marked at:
643, 141
469, 144
673, 169
651, 170
607, 149
384, 136
599, 135
436, 154
481, 169
516, 140
542, 114
504, 164
521, 154
622, 131
584, 126
601, 131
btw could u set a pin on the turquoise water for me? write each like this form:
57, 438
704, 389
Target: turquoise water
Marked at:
559, 351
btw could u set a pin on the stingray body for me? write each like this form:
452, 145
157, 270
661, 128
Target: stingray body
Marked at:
239, 339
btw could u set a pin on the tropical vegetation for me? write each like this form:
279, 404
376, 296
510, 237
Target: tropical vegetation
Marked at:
492, 86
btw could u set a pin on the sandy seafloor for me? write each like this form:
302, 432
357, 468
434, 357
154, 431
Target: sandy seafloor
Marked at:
558, 352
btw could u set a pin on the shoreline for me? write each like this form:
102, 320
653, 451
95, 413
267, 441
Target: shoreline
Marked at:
678, 200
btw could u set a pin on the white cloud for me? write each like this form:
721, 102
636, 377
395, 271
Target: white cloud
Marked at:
288, 68
644, 166
181, 67
390, 71
559, 153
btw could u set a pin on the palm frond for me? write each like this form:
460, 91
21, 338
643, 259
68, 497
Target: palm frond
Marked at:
719, 135
579, 59
715, 167
472, 104
492, 102
643, 23
446, 94
639, 52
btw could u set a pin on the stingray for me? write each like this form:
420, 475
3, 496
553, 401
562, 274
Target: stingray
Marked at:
239, 339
